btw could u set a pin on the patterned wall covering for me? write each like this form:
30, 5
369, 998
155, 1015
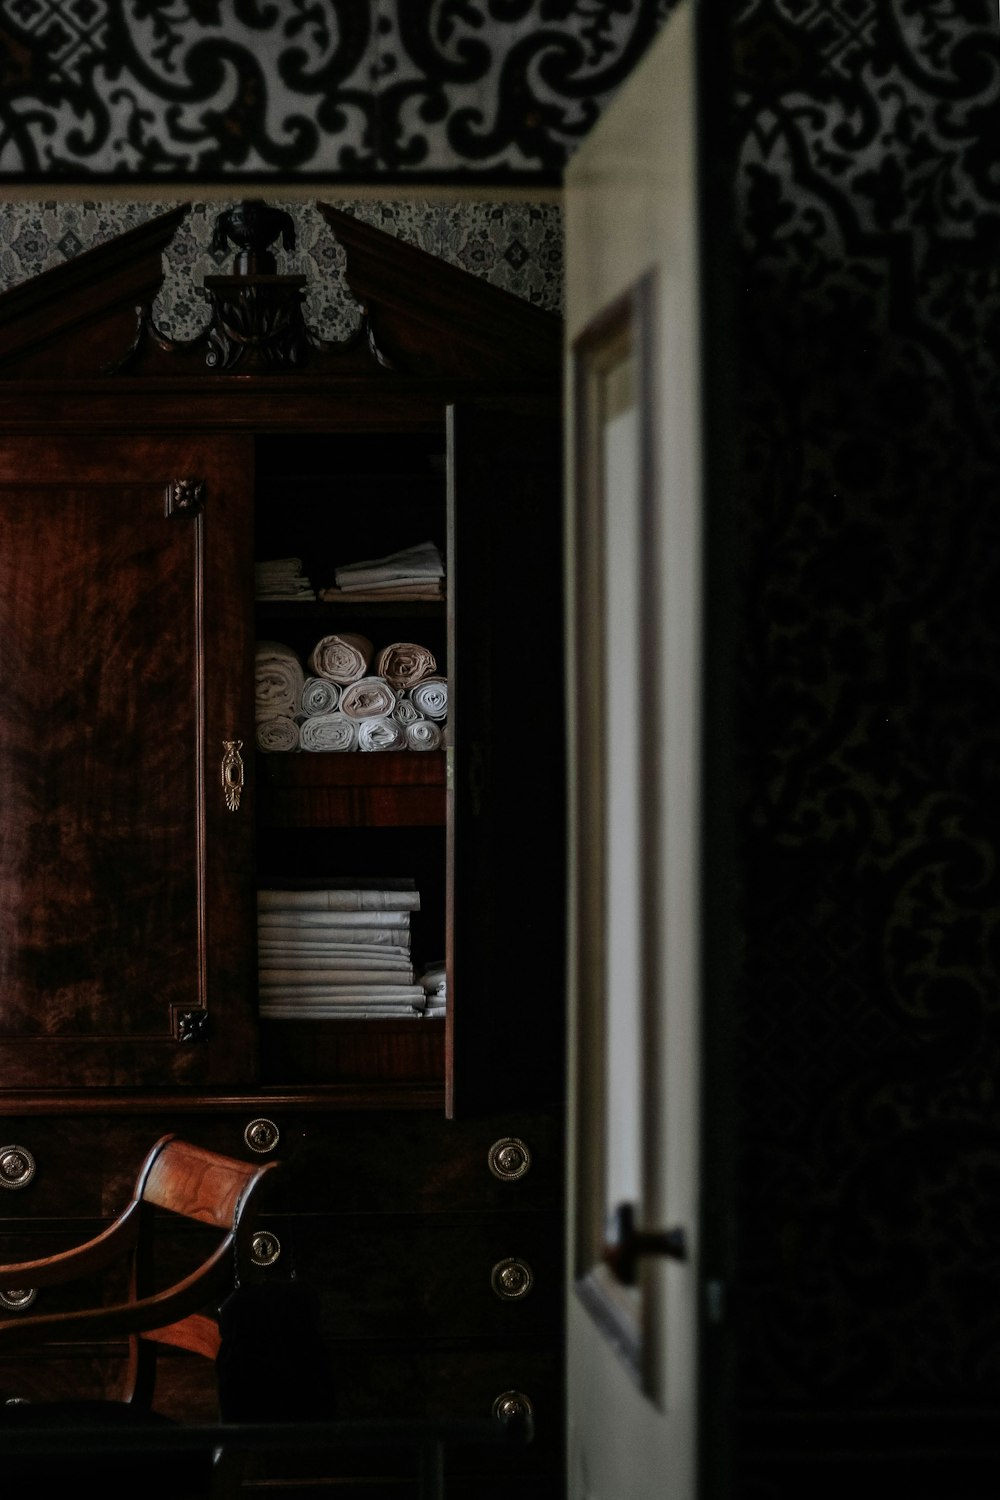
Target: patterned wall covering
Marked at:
196, 89
516, 246
869, 219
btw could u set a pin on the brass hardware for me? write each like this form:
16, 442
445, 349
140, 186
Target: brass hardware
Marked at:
512, 1406
18, 1299
232, 772
265, 1248
261, 1135
625, 1244
512, 1279
509, 1158
17, 1166
184, 497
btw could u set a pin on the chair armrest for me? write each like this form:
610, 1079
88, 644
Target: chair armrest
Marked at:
81, 1260
210, 1282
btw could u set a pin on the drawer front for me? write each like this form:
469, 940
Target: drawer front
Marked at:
72, 1166
435, 1276
421, 1162
86, 1166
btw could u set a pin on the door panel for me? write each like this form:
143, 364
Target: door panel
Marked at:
124, 603
646, 978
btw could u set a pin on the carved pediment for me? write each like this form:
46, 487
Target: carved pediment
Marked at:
417, 316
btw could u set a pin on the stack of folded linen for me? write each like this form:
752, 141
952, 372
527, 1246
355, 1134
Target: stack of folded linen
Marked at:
278, 684
283, 578
414, 573
334, 950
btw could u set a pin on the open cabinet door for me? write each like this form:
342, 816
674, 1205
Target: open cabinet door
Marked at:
649, 864
506, 757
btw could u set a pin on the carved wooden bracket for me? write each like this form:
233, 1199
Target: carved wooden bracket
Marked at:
190, 1025
185, 497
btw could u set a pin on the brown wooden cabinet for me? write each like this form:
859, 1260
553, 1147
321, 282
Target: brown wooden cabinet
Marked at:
140, 480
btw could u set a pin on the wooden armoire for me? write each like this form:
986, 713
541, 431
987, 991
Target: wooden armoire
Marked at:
141, 478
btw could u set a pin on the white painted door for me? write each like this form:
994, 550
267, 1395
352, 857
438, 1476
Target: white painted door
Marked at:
649, 1241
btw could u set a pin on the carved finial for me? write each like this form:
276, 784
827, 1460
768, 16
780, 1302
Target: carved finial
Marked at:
252, 226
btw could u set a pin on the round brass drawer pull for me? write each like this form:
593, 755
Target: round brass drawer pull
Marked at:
262, 1135
24, 1297
512, 1278
509, 1158
512, 1404
265, 1248
17, 1166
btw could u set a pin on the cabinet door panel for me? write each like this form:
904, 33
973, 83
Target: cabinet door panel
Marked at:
507, 790
124, 612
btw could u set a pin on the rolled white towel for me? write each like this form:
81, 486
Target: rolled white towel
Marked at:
423, 734
278, 680
334, 731
277, 732
369, 698
382, 733
341, 658
406, 712
430, 697
404, 663
319, 696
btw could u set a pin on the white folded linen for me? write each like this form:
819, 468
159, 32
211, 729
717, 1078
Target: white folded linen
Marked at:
331, 994
368, 698
291, 978
277, 733
329, 732
382, 733
282, 578
403, 663
422, 561
329, 922
430, 697
337, 956
361, 1011
339, 898
423, 734
341, 658
427, 588
278, 680
319, 696
318, 941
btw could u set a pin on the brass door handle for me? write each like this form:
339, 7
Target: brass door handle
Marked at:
625, 1244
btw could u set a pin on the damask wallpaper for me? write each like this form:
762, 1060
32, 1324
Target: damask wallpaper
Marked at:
868, 216
355, 89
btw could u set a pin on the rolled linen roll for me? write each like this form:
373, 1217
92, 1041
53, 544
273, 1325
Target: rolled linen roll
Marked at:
370, 698
404, 663
430, 697
423, 734
334, 731
382, 733
406, 712
278, 732
278, 680
341, 658
319, 696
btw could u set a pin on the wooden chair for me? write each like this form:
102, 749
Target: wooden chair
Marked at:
184, 1180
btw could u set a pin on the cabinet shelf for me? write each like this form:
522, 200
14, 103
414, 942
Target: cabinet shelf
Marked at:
353, 789
396, 1050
